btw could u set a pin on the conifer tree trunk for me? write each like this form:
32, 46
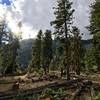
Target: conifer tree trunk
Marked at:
66, 44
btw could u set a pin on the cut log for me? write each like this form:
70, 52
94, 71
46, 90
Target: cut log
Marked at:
15, 86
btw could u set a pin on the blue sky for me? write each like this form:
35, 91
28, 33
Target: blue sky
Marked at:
37, 14
7, 2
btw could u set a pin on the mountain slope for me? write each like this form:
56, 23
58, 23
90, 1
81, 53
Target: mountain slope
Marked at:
26, 49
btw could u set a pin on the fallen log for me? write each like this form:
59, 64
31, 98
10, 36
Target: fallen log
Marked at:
58, 84
85, 84
10, 95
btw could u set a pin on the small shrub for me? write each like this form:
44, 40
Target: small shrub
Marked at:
97, 97
34, 97
18, 97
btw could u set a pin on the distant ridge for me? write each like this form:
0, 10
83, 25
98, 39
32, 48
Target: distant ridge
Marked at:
26, 49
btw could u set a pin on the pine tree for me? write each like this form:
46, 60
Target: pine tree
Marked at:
5, 36
2, 32
47, 50
63, 13
8, 54
3, 57
9, 45
95, 17
89, 59
75, 50
36, 51
95, 29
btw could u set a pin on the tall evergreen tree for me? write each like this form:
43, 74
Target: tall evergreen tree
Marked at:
89, 59
36, 51
75, 50
95, 29
8, 54
2, 31
5, 36
47, 50
3, 57
9, 45
63, 13
14, 50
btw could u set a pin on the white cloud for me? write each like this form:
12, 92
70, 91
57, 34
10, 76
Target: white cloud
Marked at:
34, 14
37, 14
82, 11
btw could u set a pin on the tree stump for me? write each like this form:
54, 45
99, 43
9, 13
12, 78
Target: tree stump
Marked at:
15, 86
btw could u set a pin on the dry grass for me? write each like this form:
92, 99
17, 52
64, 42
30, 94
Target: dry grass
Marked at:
7, 82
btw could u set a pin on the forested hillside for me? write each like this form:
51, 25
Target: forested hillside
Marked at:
25, 51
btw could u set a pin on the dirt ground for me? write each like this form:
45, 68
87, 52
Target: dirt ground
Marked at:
25, 82
28, 82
